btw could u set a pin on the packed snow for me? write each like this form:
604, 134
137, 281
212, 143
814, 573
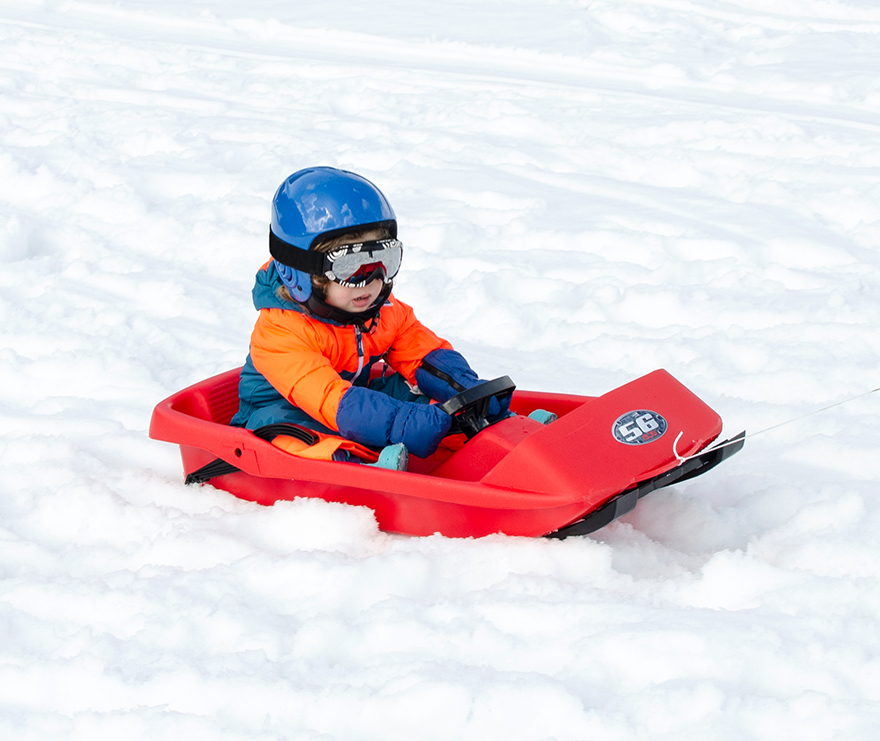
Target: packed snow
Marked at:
587, 190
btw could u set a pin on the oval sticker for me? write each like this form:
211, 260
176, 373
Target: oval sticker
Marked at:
639, 427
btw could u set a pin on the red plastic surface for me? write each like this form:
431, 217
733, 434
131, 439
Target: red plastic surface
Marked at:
517, 477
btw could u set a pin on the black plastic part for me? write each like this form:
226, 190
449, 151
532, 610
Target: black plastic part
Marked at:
470, 409
270, 432
219, 467
626, 501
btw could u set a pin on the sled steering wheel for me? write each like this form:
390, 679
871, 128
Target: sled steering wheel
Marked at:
470, 409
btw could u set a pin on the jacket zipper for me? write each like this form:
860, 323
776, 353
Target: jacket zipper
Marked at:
360, 348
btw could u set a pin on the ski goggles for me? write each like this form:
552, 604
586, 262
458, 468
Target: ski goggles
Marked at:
356, 265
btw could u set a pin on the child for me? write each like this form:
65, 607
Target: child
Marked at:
327, 315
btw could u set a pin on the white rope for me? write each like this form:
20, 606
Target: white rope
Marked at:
736, 441
679, 458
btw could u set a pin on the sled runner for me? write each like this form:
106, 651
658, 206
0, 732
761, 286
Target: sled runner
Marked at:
517, 476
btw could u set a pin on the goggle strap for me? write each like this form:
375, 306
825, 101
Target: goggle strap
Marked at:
309, 262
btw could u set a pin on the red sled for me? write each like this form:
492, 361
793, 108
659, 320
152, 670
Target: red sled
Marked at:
518, 476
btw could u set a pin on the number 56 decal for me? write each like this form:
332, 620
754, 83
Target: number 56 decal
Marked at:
639, 427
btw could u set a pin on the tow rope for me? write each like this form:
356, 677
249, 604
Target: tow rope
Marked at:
738, 439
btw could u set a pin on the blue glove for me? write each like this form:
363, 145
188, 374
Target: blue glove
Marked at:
445, 373
373, 418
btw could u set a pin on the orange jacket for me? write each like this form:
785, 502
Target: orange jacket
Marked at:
312, 362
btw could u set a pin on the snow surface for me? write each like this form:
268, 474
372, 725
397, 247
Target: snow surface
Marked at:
588, 190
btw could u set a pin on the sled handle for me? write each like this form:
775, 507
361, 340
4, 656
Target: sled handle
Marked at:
470, 409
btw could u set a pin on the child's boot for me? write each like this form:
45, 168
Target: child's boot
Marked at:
393, 457
543, 416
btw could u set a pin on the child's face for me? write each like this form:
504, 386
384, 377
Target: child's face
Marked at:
355, 300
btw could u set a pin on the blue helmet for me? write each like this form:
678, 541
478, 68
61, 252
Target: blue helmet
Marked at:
317, 204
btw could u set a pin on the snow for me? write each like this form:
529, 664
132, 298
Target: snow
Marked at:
587, 190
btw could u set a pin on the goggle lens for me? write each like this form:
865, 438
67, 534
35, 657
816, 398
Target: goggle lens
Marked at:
358, 264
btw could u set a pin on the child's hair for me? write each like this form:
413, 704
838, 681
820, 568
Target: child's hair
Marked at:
320, 282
